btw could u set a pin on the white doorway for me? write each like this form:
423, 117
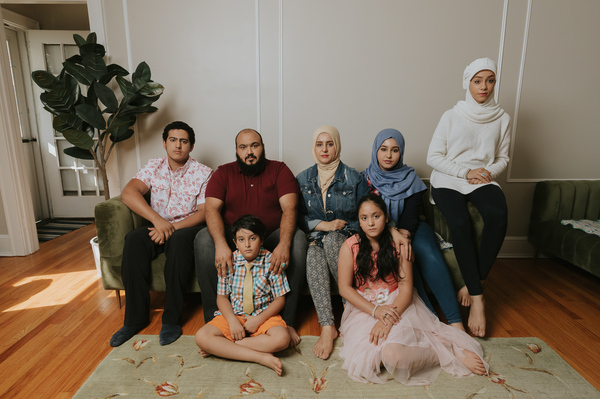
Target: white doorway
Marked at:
27, 124
74, 185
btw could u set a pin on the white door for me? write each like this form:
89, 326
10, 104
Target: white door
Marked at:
17, 51
74, 185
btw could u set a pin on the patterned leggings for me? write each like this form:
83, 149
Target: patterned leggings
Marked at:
320, 262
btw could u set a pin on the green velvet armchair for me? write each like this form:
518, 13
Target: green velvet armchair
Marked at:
554, 201
113, 221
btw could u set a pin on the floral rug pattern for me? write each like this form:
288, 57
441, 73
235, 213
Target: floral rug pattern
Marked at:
141, 368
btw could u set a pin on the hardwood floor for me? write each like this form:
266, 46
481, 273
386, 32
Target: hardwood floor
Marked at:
56, 319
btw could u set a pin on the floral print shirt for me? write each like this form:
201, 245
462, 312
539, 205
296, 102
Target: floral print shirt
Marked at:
175, 195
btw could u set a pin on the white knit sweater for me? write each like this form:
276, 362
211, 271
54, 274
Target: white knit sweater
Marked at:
459, 145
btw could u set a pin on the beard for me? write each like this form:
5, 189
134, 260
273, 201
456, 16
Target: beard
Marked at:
254, 169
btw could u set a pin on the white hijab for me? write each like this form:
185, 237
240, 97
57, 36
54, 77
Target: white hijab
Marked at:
487, 112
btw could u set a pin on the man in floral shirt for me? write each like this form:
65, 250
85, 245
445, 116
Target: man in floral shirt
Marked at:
176, 211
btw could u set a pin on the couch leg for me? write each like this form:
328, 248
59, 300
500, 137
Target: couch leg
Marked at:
118, 292
536, 252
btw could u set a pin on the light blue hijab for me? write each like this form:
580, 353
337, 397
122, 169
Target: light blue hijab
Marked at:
395, 185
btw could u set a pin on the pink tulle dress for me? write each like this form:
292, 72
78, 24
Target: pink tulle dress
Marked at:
417, 347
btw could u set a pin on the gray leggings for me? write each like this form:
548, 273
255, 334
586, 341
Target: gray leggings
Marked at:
320, 262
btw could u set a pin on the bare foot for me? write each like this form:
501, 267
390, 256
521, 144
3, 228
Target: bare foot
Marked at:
477, 316
324, 345
458, 326
204, 353
294, 337
473, 363
267, 359
463, 297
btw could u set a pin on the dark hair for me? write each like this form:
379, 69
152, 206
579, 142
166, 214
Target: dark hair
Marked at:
178, 125
387, 259
246, 131
252, 223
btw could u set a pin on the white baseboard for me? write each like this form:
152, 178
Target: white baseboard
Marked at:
516, 247
5, 245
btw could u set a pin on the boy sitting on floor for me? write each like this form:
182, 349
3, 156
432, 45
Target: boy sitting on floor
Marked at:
248, 327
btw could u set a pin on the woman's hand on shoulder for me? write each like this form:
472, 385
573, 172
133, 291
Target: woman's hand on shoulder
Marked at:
402, 242
479, 176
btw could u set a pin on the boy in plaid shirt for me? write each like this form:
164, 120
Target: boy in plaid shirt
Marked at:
248, 326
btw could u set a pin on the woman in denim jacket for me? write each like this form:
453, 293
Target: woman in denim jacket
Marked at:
327, 213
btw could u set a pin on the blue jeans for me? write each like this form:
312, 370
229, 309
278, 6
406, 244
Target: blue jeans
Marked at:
431, 267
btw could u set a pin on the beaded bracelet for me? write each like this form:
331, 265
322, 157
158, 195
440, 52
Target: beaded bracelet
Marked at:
374, 309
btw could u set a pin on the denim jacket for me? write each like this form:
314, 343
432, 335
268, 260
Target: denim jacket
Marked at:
347, 187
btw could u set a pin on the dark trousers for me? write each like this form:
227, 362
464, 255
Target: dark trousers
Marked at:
138, 254
475, 263
295, 271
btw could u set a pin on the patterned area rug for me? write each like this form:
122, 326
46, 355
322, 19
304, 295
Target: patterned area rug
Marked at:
47, 230
141, 368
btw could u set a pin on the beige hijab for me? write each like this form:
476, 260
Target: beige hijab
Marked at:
327, 171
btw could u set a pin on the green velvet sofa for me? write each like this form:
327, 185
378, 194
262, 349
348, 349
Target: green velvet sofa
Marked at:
114, 220
554, 201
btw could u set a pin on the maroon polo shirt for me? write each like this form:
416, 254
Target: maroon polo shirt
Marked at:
255, 195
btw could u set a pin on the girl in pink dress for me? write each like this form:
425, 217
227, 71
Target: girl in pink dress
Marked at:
385, 322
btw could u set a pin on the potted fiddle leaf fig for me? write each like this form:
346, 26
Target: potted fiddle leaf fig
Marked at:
87, 111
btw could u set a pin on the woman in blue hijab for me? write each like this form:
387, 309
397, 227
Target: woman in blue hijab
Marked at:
402, 192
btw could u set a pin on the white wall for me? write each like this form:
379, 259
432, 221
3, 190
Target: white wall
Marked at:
287, 67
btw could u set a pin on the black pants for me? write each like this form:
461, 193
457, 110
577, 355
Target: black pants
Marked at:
208, 277
138, 254
475, 263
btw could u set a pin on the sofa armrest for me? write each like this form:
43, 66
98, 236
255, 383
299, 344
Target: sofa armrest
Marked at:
113, 221
546, 201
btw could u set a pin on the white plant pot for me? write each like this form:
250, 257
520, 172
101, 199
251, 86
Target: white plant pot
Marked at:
96, 251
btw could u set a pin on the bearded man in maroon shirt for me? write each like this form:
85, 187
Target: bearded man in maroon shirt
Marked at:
268, 190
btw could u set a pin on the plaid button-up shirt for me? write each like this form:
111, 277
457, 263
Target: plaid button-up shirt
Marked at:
267, 285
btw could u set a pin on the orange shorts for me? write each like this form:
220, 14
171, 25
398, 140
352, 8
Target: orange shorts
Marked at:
220, 322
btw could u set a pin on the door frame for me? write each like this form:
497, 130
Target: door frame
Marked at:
21, 238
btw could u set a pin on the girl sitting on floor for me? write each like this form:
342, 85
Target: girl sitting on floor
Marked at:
385, 321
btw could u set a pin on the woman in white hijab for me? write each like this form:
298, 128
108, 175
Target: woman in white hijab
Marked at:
468, 151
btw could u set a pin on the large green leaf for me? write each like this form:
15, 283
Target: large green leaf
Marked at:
120, 123
79, 139
91, 115
142, 72
122, 136
92, 98
92, 38
113, 70
92, 48
107, 97
141, 100
126, 88
79, 40
137, 110
75, 59
44, 79
65, 94
80, 73
95, 65
67, 122
78, 153
152, 89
